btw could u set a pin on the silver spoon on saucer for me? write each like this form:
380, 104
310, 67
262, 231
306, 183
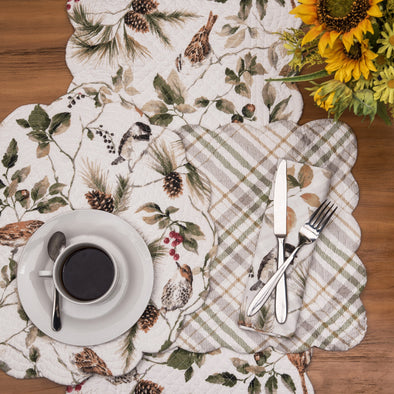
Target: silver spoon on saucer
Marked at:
56, 244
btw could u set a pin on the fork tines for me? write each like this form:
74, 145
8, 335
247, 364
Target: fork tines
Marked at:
323, 214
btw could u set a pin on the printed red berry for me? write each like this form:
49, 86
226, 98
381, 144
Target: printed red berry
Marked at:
68, 7
172, 252
172, 234
78, 387
166, 240
69, 389
174, 243
180, 239
176, 256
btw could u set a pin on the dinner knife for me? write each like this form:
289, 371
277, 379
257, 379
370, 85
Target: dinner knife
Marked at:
280, 214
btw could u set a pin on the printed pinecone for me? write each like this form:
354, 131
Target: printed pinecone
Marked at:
148, 318
173, 184
101, 201
147, 387
144, 6
136, 21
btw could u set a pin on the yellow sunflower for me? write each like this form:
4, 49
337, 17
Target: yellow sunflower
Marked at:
384, 86
349, 19
350, 64
387, 41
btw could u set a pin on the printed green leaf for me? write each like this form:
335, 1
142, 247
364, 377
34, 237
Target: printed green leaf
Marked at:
254, 386
236, 39
225, 106
181, 359
11, 155
288, 381
185, 108
60, 123
245, 6
117, 79
165, 345
164, 223
23, 122
292, 182
56, 188
170, 210
177, 87
155, 106
34, 354
90, 134
278, 110
13, 267
188, 374
21, 174
23, 197
2, 184
52, 205
30, 373
39, 189
231, 76
22, 314
4, 366
201, 102
149, 207
269, 95
161, 119
4, 274
240, 365
39, 119
243, 90
153, 219
43, 149
271, 384
190, 244
194, 229
164, 91
38, 136
224, 378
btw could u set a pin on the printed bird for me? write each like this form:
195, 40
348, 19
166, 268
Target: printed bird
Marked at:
178, 290
199, 47
17, 234
268, 266
89, 362
137, 132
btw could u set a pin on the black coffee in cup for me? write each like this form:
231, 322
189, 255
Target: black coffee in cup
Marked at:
87, 273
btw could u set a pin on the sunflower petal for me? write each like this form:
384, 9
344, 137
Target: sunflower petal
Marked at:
312, 34
375, 11
347, 39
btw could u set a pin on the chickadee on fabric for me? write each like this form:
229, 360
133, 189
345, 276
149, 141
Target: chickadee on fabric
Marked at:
138, 132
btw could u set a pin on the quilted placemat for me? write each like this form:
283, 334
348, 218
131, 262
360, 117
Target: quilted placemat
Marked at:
194, 62
240, 161
85, 151
221, 371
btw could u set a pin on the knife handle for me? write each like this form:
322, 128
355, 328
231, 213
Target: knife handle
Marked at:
281, 290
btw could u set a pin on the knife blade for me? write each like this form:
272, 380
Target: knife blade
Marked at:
280, 230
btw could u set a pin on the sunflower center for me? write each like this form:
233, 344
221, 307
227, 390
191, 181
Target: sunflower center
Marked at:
342, 16
391, 40
354, 52
390, 84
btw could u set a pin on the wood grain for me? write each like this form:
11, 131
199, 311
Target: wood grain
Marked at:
33, 70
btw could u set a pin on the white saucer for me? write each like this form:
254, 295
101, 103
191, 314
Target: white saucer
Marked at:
87, 325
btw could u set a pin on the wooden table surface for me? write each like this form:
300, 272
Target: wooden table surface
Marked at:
33, 70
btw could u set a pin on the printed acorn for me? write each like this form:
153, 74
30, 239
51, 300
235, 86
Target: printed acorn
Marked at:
178, 290
148, 318
89, 362
147, 387
101, 201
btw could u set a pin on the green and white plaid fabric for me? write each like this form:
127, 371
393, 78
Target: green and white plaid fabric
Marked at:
241, 161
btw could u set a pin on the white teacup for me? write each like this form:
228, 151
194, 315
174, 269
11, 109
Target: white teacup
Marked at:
84, 273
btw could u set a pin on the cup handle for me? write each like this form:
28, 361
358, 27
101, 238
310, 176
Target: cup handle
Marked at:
45, 274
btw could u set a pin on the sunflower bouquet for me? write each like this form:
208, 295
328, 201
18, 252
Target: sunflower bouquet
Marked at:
353, 42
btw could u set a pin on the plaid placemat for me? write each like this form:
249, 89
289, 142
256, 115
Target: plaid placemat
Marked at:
240, 162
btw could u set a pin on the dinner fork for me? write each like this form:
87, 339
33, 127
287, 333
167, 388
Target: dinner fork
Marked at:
308, 233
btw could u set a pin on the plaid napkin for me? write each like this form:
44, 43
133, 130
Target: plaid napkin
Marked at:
308, 186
